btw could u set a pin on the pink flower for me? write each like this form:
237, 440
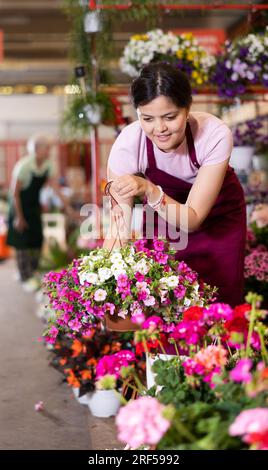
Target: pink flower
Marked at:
150, 301
211, 357
140, 245
159, 245
39, 406
153, 323
137, 316
161, 258
100, 295
75, 324
241, 372
253, 425
141, 422
112, 364
179, 292
140, 277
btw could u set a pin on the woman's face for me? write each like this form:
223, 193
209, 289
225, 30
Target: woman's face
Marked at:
163, 122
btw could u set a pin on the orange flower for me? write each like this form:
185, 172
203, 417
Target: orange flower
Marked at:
72, 379
91, 362
63, 361
105, 349
77, 348
86, 374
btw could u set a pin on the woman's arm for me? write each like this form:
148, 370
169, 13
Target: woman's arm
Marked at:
20, 223
120, 216
188, 216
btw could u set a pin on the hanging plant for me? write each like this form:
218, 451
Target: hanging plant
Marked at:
87, 111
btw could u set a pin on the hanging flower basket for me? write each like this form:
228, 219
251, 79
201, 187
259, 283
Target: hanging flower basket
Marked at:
123, 287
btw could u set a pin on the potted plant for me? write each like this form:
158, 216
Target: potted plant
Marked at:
246, 135
182, 50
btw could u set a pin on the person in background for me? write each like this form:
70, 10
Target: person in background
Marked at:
25, 234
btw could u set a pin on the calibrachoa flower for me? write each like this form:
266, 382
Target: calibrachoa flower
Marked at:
183, 51
141, 422
131, 281
252, 424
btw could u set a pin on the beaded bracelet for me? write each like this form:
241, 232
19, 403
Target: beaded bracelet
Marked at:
159, 200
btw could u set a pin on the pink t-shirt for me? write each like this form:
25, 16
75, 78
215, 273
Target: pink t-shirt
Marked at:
212, 139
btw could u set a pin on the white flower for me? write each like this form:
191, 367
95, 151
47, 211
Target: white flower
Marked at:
100, 295
92, 278
104, 274
142, 267
187, 302
116, 257
118, 272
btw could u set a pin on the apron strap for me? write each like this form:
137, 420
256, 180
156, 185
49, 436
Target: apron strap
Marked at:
150, 154
190, 145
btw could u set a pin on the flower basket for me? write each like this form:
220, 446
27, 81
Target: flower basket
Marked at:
116, 323
122, 287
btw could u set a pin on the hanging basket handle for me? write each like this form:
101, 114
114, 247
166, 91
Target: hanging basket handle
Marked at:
114, 203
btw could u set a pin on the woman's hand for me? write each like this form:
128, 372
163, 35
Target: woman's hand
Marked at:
128, 186
20, 224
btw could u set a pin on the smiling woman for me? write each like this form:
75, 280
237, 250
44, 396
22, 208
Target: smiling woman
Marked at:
188, 183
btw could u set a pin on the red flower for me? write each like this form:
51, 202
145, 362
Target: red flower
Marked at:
193, 314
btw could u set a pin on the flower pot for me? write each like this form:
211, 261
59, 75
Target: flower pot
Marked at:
82, 400
241, 158
115, 323
150, 359
103, 403
92, 22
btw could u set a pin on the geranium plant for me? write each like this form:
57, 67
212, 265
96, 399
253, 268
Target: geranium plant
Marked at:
183, 51
209, 394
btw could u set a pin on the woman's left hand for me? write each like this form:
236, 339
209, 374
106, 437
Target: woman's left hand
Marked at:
128, 186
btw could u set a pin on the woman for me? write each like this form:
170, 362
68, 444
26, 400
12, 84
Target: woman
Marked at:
25, 232
184, 157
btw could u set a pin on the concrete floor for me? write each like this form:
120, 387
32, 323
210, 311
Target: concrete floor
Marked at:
25, 379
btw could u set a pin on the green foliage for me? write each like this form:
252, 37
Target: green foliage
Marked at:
75, 118
176, 390
203, 415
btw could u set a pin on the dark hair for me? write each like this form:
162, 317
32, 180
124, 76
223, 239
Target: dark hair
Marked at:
160, 78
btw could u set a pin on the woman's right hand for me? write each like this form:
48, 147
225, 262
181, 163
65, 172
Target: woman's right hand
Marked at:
20, 224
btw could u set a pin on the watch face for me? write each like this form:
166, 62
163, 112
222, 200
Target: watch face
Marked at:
80, 71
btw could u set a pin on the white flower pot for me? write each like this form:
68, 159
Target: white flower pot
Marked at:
92, 22
82, 400
150, 359
241, 158
93, 113
103, 403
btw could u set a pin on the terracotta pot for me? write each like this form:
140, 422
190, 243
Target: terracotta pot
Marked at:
115, 323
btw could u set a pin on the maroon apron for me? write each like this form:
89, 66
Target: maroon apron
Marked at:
217, 249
